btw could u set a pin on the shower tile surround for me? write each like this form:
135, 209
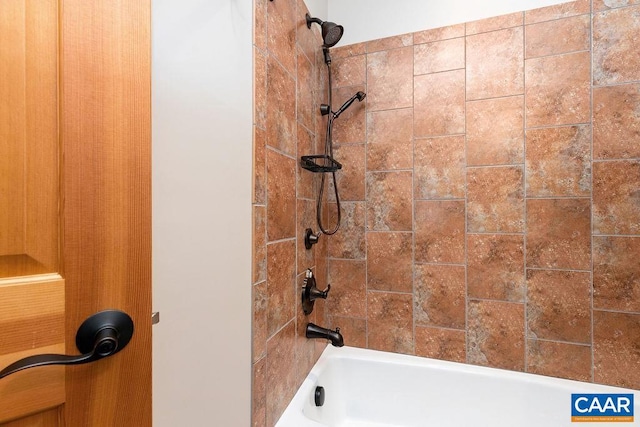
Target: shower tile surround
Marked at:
490, 194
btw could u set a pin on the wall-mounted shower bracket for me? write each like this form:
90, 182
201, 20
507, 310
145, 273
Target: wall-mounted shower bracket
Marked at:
325, 109
310, 238
310, 293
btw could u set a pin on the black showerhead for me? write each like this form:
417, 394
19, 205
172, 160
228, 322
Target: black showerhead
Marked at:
331, 32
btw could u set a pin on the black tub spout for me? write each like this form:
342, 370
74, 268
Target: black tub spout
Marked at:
315, 331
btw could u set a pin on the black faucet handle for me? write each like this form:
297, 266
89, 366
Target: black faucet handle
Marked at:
315, 293
310, 293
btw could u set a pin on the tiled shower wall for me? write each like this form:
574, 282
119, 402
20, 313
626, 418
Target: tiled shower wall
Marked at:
288, 86
491, 193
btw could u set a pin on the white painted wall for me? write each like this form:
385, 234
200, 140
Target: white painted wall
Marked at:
202, 156
318, 8
365, 20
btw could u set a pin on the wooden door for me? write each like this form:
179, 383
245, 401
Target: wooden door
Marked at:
75, 208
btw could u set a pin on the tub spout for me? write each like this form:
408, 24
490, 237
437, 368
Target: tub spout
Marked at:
315, 331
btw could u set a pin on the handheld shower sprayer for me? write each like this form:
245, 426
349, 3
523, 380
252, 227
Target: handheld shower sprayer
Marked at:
359, 96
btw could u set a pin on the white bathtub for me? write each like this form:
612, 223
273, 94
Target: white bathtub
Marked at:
377, 389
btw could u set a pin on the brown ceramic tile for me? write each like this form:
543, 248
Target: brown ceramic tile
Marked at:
503, 74
599, 5
439, 296
495, 23
558, 161
495, 334
322, 270
349, 71
281, 33
259, 244
389, 139
259, 166
260, 89
350, 126
354, 331
389, 201
281, 378
616, 273
616, 122
561, 360
351, 177
616, 199
439, 104
305, 348
560, 36
389, 261
439, 231
495, 267
305, 179
259, 393
616, 356
495, 131
309, 40
390, 43
562, 10
281, 121
260, 24
558, 89
349, 242
559, 233
439, 168
559, 305
281, 195
389, 79
438, 56
495, 200
259, 321
348, 288
306, 103
436, 34
349, 50
306, 214
444, 344
615, 46
390, 322
281, 301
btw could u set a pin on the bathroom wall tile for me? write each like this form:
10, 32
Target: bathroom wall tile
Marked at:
306, 79
259, 166
439, 295
281, 121
616, 122
438, 56
390, 139
599, 5
259, 321
616, 273
389, 79
560, 360
562, 10
389, 261
439, 104
351, 177
349, 242
350, 126
559, 305
559, 233
348, 288
322, 261
306, 214
435, 34
443, 344
281, 33
495, 267
281, 194
495, 200
616, 355
495, 23
558, 161
259, 394
348, 50
349, 71
305, 179
495, 334
308, 39
503, 75
439, 168
259, 244
439, 231
559, 36
354, 331
389, 201
260, 24
615, 46
281, 378
305, 348
616, 199
388, 43
390, 322
281, 301
558, 89
260, 89
495, 134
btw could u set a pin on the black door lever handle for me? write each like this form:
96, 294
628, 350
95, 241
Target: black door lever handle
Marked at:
101, 335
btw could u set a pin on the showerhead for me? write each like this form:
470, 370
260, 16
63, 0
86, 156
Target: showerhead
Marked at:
331, 32
359, 96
